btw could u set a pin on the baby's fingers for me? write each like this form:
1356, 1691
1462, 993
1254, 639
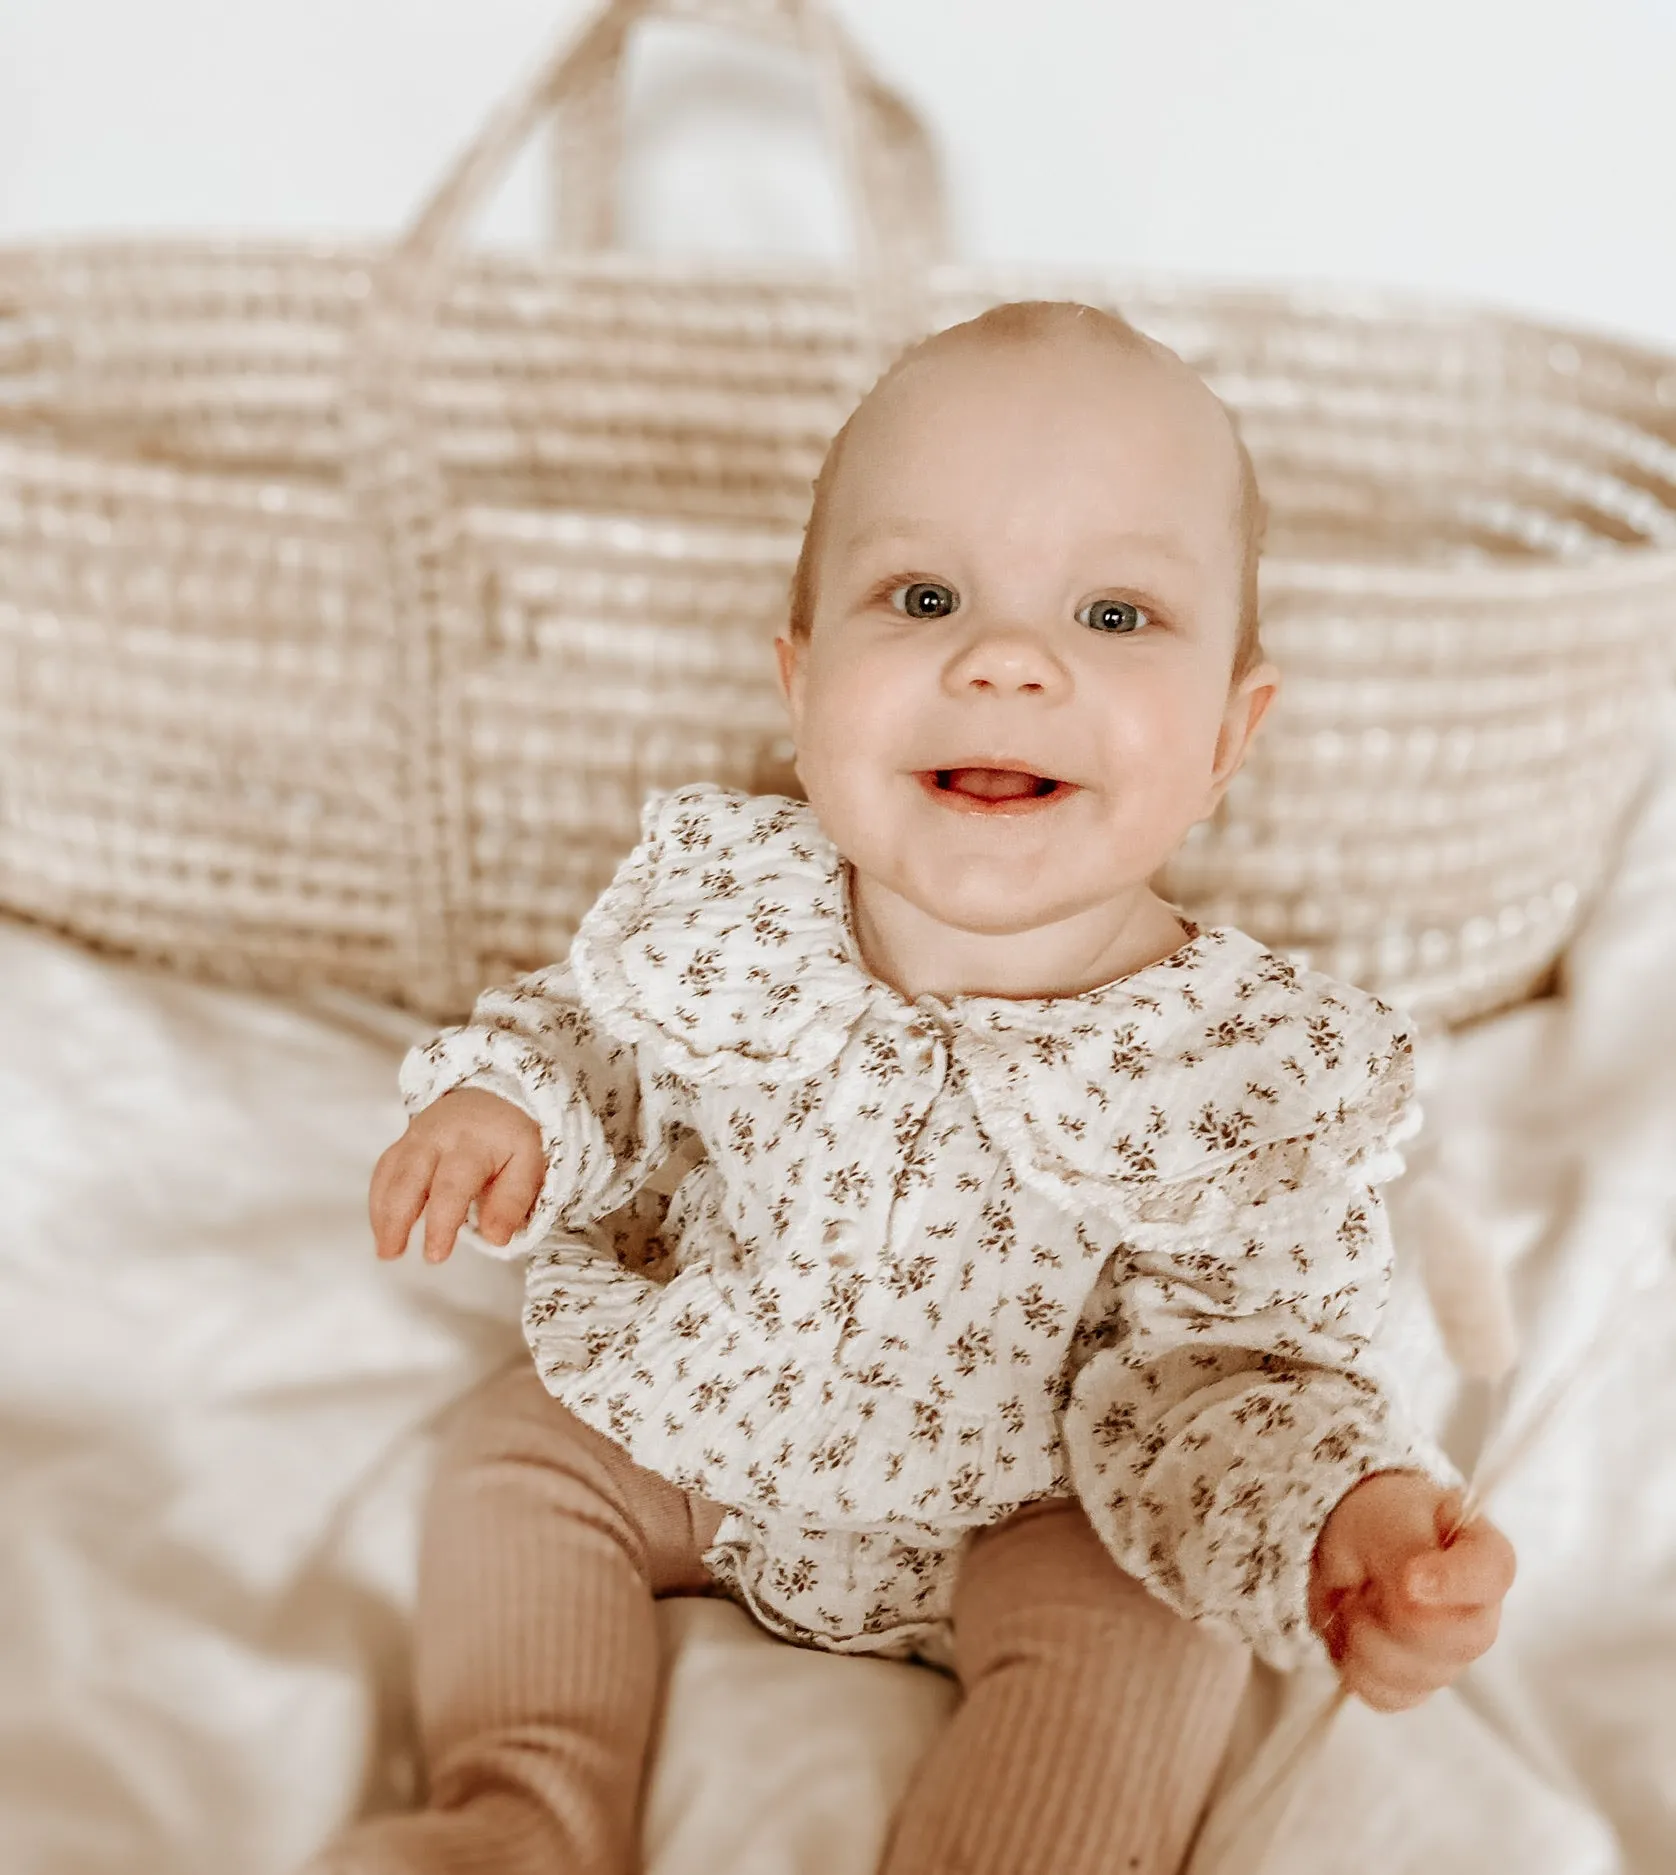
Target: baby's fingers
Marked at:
1383, 1695
506, 1201
1444, 1639
1475, 1570
458, 1178
396, 1195
1383, 1673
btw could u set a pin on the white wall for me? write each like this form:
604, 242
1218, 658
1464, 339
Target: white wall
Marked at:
1521, 151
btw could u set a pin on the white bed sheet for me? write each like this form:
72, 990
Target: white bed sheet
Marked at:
216, 1409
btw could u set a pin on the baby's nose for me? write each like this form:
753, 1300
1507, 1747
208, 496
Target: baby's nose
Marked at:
1009, 660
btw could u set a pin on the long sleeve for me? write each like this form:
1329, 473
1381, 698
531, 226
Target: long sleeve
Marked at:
1231, 1399
604, 1128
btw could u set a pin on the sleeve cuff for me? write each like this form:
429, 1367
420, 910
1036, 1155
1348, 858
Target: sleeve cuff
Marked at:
1222, 1526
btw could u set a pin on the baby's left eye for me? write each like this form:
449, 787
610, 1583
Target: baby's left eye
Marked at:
1112, 615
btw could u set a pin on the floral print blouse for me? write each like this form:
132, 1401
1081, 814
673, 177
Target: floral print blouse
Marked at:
827, 1255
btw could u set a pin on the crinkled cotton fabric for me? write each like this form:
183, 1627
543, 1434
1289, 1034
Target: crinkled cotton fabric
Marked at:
873, 1272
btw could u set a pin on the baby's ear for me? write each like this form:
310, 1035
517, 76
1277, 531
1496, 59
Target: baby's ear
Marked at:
790, 653
785, 652
1248, 703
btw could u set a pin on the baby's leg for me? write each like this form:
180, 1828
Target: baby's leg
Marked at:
1093, 1724
536, 1653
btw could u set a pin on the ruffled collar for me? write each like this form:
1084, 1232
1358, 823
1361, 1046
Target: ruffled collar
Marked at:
725, 951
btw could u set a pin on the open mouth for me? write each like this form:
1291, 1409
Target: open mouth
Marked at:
995, 790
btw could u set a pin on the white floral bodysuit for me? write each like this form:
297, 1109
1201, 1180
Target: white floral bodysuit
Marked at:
872, 1273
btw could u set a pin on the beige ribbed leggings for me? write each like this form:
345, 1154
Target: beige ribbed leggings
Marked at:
1092, 1725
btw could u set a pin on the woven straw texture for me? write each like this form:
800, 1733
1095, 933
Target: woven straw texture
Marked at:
351, 602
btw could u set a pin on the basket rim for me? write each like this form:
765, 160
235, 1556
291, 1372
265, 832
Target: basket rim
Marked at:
1374, 301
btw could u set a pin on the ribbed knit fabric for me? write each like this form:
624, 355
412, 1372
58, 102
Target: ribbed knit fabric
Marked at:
1093, 1724
536, 1647
1092, 1728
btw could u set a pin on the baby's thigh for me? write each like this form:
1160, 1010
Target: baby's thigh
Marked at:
511, 1419
1042, 1587
519, 1472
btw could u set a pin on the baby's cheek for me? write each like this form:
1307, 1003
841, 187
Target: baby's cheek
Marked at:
843, 762
851, 708
1155, 704
1166, 754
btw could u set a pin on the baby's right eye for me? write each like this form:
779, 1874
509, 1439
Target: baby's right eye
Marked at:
924, 598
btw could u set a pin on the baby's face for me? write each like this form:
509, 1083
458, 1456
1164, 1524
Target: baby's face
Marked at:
1013, 700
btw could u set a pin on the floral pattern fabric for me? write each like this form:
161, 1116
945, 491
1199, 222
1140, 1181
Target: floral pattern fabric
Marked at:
873, 1272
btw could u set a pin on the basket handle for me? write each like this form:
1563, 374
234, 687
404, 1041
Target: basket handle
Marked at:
889, 173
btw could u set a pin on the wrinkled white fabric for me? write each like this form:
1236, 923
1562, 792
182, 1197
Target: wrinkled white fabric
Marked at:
934, 1259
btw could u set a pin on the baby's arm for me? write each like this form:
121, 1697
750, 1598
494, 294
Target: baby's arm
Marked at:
533, 1108
1238, 1405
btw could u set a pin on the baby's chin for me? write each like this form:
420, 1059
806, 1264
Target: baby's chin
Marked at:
979, 898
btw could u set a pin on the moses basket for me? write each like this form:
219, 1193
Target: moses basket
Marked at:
351, 602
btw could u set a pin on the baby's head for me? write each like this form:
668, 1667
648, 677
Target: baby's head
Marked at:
1023, 656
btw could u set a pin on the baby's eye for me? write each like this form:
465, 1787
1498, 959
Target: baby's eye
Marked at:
925, 598
1112, 615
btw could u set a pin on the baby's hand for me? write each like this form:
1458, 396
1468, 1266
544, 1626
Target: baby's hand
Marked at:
1401, 1609
468, 1144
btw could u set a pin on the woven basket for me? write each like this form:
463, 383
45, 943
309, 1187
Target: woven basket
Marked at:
351, 602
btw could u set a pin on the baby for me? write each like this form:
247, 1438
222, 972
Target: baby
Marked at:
937, 1243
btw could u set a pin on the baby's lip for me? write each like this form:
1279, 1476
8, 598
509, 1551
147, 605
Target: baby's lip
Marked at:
978, 785
997, 764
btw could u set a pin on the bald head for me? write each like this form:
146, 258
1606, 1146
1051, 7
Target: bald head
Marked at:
1086, 340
